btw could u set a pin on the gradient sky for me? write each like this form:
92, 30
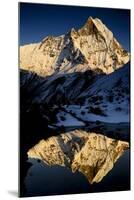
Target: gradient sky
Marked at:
40, 20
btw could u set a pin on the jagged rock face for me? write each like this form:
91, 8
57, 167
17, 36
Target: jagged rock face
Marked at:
91, 47
92, 154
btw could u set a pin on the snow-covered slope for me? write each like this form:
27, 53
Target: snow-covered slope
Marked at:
57, 89
107, 99
87, 96
91, 47
92, 154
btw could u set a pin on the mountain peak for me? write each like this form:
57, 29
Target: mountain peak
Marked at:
89, 20
91, 47
95, 26
88, 26
95, 21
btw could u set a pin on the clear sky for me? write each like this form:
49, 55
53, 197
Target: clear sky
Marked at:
40, 20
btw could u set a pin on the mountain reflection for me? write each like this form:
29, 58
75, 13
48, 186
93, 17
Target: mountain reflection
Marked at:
92, 154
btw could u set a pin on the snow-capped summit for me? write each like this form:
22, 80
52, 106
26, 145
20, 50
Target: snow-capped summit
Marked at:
92, 47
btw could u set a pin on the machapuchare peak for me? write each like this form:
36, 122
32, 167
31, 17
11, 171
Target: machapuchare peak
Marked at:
92, 47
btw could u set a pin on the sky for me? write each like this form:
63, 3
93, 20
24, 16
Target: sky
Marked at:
40, 20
